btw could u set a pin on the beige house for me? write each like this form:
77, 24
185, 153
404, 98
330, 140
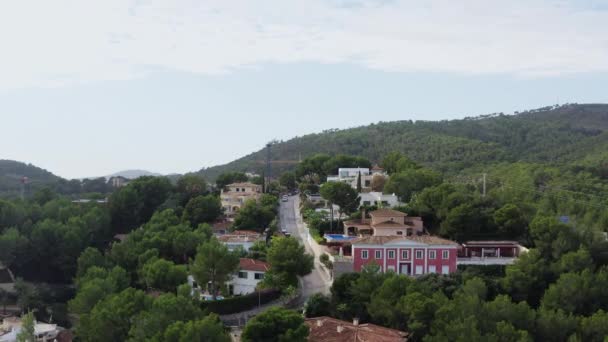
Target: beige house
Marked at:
235, 195
384, 222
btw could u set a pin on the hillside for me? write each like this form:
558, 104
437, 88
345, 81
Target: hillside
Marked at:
11, 173
132, 174
567, 134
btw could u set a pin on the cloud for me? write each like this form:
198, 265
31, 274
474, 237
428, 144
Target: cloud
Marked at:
62, 42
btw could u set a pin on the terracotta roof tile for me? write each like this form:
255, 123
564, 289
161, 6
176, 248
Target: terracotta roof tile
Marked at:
326, 329
244, 184
381, 240
387, 213
253, 265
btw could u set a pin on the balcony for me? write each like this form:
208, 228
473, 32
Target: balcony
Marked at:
486, 261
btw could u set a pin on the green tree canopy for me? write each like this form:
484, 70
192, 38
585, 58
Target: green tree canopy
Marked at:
202, 209
276, 324
341, 194
214, 265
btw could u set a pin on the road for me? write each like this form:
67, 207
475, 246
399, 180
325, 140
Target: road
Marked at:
318, 280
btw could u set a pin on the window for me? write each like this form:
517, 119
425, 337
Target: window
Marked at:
364, 254
378, 255
399, 232
366, 202
432, 269
391, 254
419, 254
445, 254
432, 254
367, 183
242, 275
390, 268
405, 254
419, 270
258, 276
384, 203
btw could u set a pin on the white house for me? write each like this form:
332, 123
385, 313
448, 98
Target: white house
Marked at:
240, 239
349, 175
251, 272
10, 328
7, 280
379, 199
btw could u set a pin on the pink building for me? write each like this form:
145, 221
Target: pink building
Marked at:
412, 255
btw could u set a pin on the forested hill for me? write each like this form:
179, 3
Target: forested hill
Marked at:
11, 173
574, 133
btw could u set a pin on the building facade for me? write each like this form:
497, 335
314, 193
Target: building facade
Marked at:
251, 273
235, 195
378, 199
384, 222
412, 255
350, 175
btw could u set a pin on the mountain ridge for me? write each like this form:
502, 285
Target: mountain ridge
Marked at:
552, 134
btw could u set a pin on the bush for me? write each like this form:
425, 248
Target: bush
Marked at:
242, 303
324, 259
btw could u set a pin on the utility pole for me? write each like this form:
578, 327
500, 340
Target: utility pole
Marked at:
268, 168
484, 185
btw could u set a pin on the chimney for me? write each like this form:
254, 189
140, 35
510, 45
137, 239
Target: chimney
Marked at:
340, 329
319, 323
356, 321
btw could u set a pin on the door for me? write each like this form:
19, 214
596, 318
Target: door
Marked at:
432, 269
419, 270
445, 269
405, 269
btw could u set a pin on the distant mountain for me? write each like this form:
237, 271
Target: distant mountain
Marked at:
12, 173
132, 174
574, 133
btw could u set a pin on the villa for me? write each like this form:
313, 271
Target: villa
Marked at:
237, 194
351, 176
384, 222
251, 273
410, 255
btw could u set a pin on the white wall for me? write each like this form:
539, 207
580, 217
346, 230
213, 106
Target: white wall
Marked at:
243, 286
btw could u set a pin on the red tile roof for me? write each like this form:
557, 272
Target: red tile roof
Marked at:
253, 265
244, 232
327, 329
233, 238
245, 184
381, 240
387, 213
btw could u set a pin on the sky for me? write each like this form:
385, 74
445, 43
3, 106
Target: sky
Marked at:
88, 88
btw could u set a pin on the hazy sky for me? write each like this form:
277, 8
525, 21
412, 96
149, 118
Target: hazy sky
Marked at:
88, 88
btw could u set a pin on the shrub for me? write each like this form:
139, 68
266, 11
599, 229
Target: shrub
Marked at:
241, 303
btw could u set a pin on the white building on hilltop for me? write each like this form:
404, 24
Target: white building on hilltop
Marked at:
350, 175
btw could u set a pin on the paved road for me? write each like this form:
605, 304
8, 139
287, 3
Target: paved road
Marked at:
318, 280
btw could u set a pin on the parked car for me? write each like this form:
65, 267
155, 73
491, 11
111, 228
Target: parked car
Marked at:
285, 198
